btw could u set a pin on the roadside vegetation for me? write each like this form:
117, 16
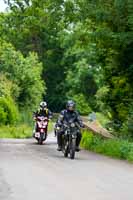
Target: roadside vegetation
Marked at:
116, 148
19, 131
23, 128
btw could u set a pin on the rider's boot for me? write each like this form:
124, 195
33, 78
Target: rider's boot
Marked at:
59, 148
77, 148
78, 142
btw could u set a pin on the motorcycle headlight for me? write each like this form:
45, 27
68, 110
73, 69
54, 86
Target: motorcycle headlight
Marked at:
72, 125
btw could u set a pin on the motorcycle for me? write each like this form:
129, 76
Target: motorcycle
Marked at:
69, 137
41, 133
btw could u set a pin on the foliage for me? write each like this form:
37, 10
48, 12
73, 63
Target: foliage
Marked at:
26, 117
8, 88
8, 111
101, 96
102, 118
23, 74
130, 156
116, 148
107, 28
81, 104
80, 71
127, 128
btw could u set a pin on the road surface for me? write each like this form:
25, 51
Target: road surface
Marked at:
32, 172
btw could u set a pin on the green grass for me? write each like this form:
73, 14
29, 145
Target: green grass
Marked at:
19, 131
116, 148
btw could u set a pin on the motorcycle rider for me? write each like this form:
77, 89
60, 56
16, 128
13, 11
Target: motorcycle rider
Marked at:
42, 111
66, 115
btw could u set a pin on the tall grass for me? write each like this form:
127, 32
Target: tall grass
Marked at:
117, 148
19, 131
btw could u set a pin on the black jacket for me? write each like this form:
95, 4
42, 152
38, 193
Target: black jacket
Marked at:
66, 116
43, 112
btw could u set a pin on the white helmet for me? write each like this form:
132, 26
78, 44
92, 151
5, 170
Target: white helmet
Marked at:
43, 104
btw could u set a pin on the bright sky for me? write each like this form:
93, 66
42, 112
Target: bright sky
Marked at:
2, 5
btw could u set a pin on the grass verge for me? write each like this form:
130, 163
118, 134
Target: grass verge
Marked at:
19, 131
116, 148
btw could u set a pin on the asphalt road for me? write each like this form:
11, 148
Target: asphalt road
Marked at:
32, 172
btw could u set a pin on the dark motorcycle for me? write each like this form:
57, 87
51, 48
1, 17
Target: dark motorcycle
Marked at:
69, 137
41, 133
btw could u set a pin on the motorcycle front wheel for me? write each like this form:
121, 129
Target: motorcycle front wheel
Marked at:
72, 148
65, 148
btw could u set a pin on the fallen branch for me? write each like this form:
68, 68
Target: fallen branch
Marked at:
96, 128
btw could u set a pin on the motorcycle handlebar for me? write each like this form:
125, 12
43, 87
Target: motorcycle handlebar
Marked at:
39, 118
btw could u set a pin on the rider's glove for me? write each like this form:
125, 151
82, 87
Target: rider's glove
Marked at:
57, 128
59, 124
82, 125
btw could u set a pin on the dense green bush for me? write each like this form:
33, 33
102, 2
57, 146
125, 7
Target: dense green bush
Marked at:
8, 111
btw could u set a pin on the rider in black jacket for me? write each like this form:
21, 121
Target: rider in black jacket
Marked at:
65, 116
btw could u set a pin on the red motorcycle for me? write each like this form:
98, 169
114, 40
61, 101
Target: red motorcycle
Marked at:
41, 133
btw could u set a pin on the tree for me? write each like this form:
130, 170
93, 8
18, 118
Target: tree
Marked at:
24, 74
33, 26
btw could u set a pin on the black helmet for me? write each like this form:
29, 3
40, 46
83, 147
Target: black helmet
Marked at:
43, 104
70, 105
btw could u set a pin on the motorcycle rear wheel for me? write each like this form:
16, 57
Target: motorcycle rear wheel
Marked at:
40, 141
